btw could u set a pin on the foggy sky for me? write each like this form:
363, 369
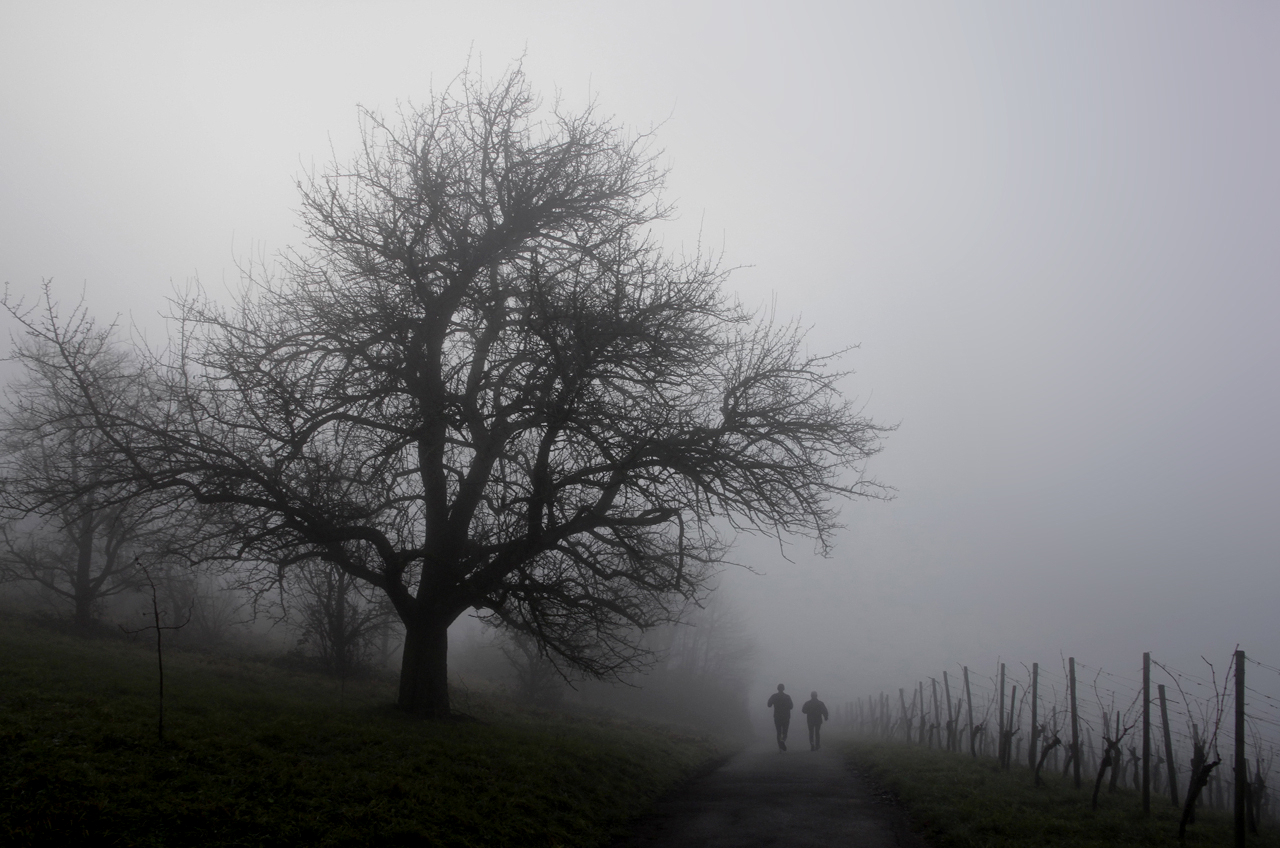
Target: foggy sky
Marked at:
1053, 231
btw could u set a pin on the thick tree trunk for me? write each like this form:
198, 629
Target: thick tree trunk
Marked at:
424, 671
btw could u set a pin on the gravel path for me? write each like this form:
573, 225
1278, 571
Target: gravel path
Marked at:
762, 797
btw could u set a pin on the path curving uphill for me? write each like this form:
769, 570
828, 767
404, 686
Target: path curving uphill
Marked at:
763, 797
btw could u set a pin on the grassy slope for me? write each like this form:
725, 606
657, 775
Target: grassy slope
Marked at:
260, 756
955, 800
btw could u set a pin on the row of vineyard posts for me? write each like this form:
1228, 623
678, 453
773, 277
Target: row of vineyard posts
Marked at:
1151, 765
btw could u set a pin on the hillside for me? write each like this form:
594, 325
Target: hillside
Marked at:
257, 754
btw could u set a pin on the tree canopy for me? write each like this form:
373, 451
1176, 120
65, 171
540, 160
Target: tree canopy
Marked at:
483, 384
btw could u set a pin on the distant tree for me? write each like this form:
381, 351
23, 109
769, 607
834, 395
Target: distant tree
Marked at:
199, 593
69, 526
711, 644
337, 618
484, 385
537, 680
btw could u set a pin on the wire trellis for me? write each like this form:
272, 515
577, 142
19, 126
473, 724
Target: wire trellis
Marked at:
1199, 705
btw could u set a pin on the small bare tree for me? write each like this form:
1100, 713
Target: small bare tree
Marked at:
1201, 767
157, 624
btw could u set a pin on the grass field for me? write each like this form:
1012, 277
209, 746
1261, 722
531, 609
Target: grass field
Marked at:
956, 801
256, 755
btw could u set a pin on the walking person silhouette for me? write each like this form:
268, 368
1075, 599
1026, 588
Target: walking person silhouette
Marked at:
782, 705
815, 712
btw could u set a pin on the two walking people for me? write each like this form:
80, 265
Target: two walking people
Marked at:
815, 713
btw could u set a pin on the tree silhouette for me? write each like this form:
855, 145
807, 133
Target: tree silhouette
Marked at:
483, 385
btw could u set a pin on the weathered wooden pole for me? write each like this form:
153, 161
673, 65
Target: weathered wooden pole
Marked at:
906, 720
1000, 721
968, 697
924, 716
1242, 768
1146, 733
1035, 727
1075, 722
1168, 747
951, 722
1008, 734
937, 714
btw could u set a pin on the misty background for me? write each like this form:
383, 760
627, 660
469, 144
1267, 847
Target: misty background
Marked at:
1053, 232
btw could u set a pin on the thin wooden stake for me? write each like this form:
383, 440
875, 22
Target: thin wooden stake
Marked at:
951, 721
1242, 768
1009, 731
1146, 733
1035, 728
924, 717
937, 715
1075, 723
968, 696
1168, 747
1000, 721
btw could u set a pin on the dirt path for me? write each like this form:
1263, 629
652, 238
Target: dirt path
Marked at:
762, 797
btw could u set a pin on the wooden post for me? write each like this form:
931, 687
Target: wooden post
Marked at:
1242, 768
1035, 728
1000, 722
951, 722
1168, 747
968, 697
924, 717
1008, 734
1146, 733
906, 720
1075, 722
937, 715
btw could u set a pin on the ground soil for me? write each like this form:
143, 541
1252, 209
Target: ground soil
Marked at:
764, 797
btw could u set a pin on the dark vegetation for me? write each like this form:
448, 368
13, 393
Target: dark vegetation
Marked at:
256, 754
958, 801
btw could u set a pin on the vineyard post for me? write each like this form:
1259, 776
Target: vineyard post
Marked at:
937, 715
951, 722
968, 697
1242, 773
1075, 723
1035, 728
906, 720
1000, 721
1146, 733
1009, 731
924, 717
1168, 747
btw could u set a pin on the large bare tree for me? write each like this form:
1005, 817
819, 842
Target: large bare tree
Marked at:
483, 384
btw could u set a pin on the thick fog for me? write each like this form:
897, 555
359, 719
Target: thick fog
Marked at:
1052, 231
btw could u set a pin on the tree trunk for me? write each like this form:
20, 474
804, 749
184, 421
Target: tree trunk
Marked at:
424, 671
83, 583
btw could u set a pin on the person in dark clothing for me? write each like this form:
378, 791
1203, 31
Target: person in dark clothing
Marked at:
815, 713
781, 703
